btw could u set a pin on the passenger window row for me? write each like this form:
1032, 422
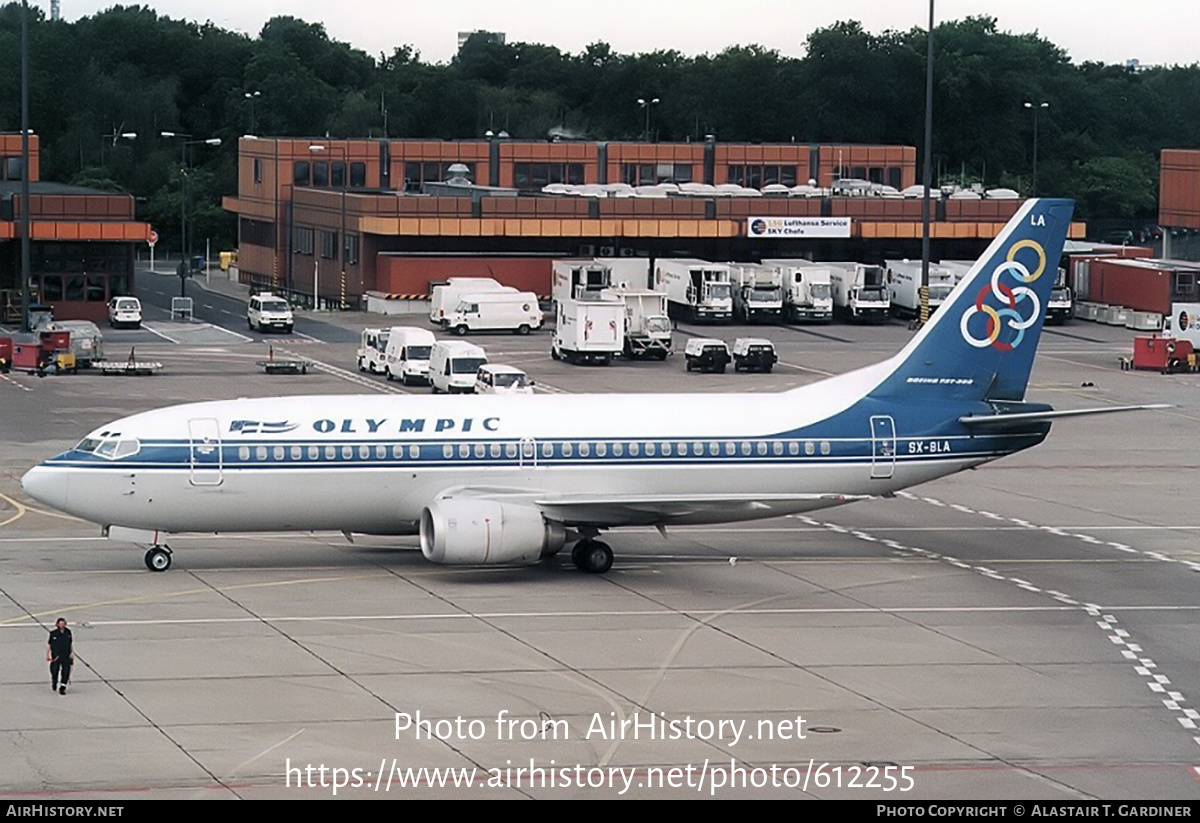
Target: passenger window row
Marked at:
545, 450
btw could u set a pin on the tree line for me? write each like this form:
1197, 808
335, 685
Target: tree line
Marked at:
130, 71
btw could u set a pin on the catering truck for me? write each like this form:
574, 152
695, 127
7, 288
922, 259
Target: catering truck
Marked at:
904, 286
757, 292
807, 295
695, 289
579, 278
859, 291
647, 326
589, 331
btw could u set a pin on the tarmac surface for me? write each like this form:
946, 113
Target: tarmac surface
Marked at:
1027, 630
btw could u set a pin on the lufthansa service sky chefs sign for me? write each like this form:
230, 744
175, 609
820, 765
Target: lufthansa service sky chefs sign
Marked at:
798, 227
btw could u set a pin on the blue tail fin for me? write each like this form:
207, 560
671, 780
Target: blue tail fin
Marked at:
981, 342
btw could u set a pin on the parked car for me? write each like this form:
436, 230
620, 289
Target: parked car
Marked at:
706, 354
496, 378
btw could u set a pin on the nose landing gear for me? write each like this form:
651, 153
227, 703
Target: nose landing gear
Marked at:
158, 558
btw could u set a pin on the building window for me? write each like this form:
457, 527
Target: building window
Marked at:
418, 174
257, 170
328, 244
300, 173
351, 249
755, 177
538, 175
302, 240
320, 173
358, 175
12, 168
649, 174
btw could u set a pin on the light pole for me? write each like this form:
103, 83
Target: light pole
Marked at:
1036, 108
646, 104
252, 96
115, 136
184, 248
317, 149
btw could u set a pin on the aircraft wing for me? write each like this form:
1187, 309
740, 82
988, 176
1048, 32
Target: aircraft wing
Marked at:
620, 510
607, 510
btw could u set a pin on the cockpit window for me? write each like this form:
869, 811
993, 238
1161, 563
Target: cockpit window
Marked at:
113, 448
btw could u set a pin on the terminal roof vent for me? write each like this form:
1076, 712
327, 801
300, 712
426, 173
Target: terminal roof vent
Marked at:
459, 175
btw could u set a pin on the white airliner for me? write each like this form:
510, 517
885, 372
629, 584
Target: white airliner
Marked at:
511, 480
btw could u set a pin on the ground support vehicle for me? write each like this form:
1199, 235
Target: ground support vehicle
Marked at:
807, 295
588, 331
706, 354
696, 289
754, 354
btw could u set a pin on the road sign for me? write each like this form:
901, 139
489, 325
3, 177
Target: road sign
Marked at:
153, 238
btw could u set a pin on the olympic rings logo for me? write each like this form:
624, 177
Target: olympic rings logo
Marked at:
1011, 298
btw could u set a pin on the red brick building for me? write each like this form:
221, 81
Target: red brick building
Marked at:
332, 215
82, 241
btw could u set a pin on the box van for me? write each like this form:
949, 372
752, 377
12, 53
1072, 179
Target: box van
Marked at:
495, 378
453, 365
125, 311
269, 311
443, 297
517, 312
407, 356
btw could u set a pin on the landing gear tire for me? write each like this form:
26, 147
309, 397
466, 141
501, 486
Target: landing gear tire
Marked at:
592, 556
158, 559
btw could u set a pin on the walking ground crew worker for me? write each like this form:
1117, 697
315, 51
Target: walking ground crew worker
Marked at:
60, 655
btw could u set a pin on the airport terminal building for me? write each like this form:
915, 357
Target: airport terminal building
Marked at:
82, 241
338, 219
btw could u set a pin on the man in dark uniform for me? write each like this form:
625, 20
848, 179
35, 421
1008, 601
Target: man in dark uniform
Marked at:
61, 656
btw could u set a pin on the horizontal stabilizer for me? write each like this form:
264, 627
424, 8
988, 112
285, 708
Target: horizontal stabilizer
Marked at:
1016, 419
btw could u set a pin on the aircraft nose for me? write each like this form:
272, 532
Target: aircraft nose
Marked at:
46, 486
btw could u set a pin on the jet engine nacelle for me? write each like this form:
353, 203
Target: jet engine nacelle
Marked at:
481, 532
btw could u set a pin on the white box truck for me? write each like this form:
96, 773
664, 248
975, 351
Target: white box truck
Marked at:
859, 291
757, 292
647, 326
807, 294
444, 296
515, 311
695, 289
904, 286
588, 331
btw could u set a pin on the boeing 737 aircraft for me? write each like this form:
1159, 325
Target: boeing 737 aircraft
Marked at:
511, 480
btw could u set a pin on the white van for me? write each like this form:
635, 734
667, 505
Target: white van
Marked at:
453, 365
407, 356
517, 312
495, 378
444, 296
269, 311
125, 311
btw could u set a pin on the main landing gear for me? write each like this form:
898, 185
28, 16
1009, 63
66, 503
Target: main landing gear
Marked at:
158, 558
592, 556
